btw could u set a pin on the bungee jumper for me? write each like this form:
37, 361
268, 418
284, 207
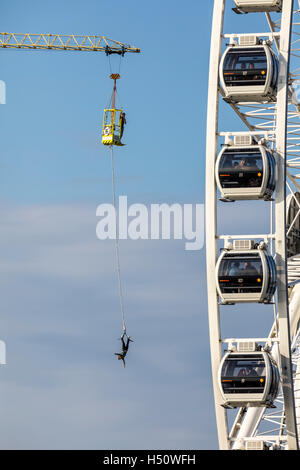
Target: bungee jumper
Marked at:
125, 346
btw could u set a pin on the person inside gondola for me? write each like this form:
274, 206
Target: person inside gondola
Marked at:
228, 162
234, 270
242, 373
251, 67
252, 163
250, 269
251, 372
248, 162
242, 163
247, 371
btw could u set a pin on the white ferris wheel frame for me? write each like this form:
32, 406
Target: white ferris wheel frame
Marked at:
281, 124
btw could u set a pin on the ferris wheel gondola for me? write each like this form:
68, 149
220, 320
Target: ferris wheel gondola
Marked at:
248, 6
248, 379
249, 72
245, 172
246, 274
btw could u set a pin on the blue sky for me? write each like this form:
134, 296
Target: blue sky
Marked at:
62, 387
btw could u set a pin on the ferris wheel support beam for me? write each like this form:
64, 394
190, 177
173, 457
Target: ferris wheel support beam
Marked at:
280, 229
211, 210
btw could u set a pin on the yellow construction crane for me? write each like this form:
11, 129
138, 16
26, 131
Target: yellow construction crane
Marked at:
63, 42
114, 119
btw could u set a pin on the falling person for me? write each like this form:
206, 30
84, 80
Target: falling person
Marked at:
125, 346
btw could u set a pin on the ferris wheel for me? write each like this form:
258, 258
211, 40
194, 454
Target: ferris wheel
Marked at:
256, 76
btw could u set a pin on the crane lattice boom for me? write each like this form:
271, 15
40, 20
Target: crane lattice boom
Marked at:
64, 42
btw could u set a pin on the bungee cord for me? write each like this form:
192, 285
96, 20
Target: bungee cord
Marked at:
125, 345
117, 239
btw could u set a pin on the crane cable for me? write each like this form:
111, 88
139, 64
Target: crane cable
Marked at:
117, 239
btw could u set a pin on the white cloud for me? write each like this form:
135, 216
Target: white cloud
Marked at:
62, 386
